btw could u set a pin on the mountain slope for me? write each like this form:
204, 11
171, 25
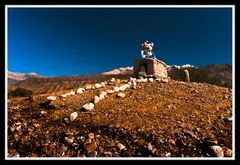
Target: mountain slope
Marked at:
15, 77
217, 74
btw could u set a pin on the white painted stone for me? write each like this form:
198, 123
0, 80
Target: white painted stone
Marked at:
88, 106
102, 95
110, 91
113, 79
122, 95
122, 88
150, 79
52, 98
73, 116
63, 95
116, 89
88, 86
72, 93
96, 99
80, 90
98, 86
218, 151
103, 84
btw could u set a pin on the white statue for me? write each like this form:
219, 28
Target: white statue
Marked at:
146, 50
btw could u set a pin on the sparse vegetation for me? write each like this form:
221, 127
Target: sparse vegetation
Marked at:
20, 92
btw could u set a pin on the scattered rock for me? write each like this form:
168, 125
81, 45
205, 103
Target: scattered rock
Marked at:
108, 153
120, 146
217, 150
91, 147
73, 116
88, 107
96, 99
92, 154
150, 79
122, 95
68, 140
228, 153
51, 98
98, 86
91, 135
80, 90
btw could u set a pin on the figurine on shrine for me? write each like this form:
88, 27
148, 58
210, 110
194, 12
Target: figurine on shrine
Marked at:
146, 50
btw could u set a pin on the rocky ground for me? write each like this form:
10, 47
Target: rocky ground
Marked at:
156, 119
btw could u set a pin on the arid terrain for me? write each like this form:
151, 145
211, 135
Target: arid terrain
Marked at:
170, 118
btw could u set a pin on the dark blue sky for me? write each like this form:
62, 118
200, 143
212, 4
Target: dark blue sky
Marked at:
73, 41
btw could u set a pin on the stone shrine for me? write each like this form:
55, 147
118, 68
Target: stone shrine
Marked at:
150, 67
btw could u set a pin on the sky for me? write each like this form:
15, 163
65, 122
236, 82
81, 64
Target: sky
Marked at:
75, 41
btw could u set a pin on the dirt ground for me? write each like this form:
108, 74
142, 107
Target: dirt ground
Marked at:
174, 119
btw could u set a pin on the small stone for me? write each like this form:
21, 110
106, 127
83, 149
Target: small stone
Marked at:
113, 79
88, 106
36, 125
108, 153
18, 123
72, 93
171, 141
52, 98
67, 139
116, 89
122, 95
63, 95
18, 128
73, 116
164, 80
228, 153
88, 141
110, 91
12, 129
43, 112
91, 135
150, 79
150, 147
98, 86
75, 144
80, 90
91, 147
120, 146
168, 154
92, 154
88, 86
217, 150
66, 120
96, 99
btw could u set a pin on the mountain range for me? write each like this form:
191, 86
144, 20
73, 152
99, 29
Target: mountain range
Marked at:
217, 74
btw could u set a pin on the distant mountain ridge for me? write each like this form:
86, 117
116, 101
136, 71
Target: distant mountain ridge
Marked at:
15, 77
122, 70
217, 74
23, 76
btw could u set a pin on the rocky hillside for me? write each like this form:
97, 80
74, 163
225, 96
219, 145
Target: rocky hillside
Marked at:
128, 118
216, 74
61, 83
